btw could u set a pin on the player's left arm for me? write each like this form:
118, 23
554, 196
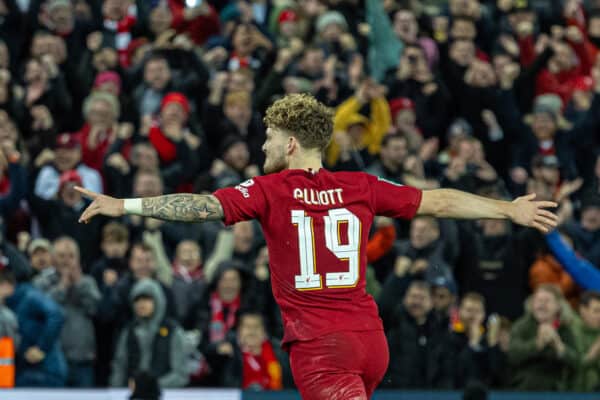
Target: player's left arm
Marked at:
450, 203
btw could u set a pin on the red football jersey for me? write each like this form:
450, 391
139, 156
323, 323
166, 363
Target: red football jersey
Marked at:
316, 225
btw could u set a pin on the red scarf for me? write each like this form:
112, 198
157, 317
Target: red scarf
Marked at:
123, 34
261, 370
187, 275
546, 147
219, 325
166, 149
94, 157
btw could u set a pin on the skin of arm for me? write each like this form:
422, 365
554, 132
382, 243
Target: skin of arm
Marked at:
450, 203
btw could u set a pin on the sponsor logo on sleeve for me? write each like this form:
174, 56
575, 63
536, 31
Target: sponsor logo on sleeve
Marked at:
243, 187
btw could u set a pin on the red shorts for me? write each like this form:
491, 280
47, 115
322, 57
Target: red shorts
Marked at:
340, 365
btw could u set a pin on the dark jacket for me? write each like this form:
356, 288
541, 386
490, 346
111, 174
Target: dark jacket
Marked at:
218, 127
155, 345
418, 358
116, 305
493, 266
525, 145
40, 323
483, 364
58, 219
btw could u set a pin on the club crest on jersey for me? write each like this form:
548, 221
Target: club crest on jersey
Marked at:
243, 187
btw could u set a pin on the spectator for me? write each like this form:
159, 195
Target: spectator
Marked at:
234, 164
60, 216
170, 136
444, 295
357, 133
216, 313
547, 134
107, 270
542, 350
234, 117
424, 254
79, 296
65, 157
418, 358
583, 272
151, 342
569, 62
142, 264
40, 256
492, 266
40, 360
119, 21
249, 359
188, 281
113, 263
101, 111
414, 79
474, 353
547, 270
587, 339
120, 171
157, 82
586, 231
393, 158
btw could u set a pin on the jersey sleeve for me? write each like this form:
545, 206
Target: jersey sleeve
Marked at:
394, 200
242, 202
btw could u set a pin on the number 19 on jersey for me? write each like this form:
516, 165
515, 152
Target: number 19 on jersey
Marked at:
309, 279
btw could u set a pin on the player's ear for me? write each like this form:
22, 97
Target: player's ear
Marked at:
291, 145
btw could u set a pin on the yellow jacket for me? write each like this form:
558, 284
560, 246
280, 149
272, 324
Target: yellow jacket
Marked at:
375, 128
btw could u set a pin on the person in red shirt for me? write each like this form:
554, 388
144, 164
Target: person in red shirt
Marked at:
316, 226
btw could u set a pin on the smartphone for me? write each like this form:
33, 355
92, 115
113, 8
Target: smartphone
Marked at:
193, 3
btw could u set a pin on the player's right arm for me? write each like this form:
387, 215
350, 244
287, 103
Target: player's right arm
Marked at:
183, 207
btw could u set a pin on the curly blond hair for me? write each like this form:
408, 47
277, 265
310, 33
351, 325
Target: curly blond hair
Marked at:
309, 120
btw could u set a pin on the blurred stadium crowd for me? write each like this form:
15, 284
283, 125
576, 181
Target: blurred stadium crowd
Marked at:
148, 97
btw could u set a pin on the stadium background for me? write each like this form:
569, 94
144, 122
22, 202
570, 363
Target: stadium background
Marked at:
147, 97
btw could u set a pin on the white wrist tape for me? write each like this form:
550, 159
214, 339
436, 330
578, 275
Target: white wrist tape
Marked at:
133, 206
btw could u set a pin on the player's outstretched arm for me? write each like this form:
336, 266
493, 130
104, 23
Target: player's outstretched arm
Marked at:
450, 203
184, 207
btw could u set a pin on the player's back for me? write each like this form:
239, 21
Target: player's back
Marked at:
317, 229
316, 225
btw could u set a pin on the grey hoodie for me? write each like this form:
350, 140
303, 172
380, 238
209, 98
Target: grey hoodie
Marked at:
8, 324
80, 302
145, 330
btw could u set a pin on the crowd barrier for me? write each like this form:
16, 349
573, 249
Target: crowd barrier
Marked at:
225, 394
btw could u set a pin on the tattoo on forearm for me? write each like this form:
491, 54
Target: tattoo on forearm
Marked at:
183, 207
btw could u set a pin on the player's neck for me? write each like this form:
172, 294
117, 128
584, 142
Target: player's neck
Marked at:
307, 162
